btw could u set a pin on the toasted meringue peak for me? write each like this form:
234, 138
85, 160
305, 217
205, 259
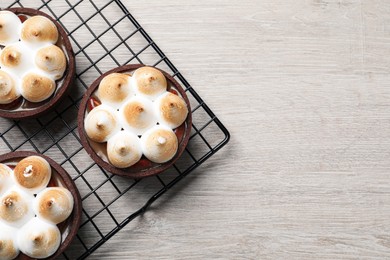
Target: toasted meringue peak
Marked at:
9, 27
15, 207
8, 247
33, 173
101, 123
137, 115
36, 87
52, 60
11, 56
149, 82
39, 239
5, 178
124, 149
114, 89
159, 144
54, 204
16, 59
39, 29
8, 91
171, 109
4, 170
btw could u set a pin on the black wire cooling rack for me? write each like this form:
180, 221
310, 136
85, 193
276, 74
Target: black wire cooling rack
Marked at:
105, 35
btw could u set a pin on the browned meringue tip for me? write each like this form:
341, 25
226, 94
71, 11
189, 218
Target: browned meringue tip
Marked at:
149, 81
39, 29
5, 170
124, 149
33, 173
51, 59
36, 88
11, 56
15, 207
9, 27
114, 89
101, 123
138, 115
39, 239
5, 177
159, 144
8, 91
8, 247
54, 204
172, 110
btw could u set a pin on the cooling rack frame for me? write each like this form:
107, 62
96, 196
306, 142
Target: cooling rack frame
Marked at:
56, 134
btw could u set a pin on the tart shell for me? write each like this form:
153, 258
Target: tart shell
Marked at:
67, 81
144, 167
69, 227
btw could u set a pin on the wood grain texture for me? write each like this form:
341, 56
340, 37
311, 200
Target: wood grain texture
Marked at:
304, 88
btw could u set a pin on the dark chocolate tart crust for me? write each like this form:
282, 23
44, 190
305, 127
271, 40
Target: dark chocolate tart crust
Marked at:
144, 167
70, 226
61, 90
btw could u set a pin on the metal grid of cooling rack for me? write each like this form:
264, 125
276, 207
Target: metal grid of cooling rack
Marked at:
105, 35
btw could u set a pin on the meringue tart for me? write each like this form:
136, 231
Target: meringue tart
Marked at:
37, 64
152, 121
41, 204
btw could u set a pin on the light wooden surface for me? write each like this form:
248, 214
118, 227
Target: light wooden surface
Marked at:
304, 88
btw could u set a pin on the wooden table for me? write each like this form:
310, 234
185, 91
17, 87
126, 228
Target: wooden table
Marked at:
304, 88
